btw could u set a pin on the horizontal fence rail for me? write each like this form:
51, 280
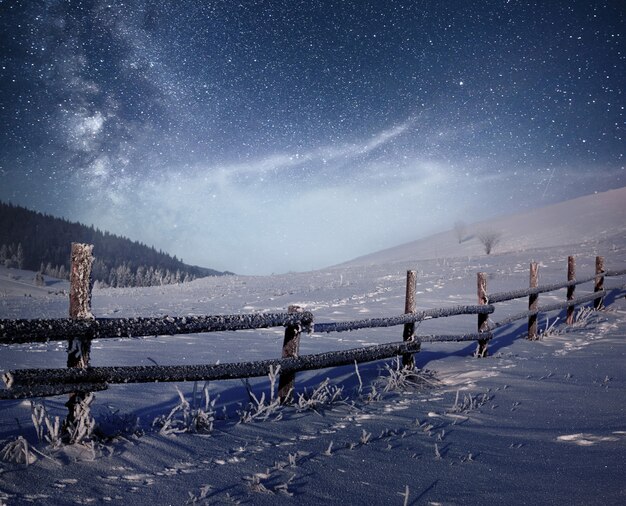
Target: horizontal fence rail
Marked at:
550, 307
494, 298
402, 319
61, 329
26, 382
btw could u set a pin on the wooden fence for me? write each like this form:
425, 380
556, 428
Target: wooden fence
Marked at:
81, 328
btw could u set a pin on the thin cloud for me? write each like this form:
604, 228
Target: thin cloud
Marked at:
279, 162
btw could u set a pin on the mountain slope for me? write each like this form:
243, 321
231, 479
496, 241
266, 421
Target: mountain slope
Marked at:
592, 218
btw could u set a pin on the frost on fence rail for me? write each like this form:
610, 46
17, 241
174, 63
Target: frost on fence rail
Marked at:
525, 292
518, 294
614, 273
46, 382
42, 390
551, 307
402, 319
60, 329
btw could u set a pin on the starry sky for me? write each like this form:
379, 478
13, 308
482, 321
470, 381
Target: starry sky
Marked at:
287, 135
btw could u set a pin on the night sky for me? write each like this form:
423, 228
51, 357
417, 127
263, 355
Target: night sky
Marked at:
269, 136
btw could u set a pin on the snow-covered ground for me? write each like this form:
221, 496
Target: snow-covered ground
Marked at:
534, 423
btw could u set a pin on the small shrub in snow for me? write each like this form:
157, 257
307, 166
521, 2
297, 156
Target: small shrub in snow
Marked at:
47, 428
582, 316
259, 408
551, 329
397, 378
17, 452
329, 450
259, 483
203, 494
469, 402
324, 394
293, 459
373, 395
185, 417
365, 437
255, 482
83, 424
467, 458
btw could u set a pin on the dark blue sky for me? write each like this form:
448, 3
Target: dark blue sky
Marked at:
265, 136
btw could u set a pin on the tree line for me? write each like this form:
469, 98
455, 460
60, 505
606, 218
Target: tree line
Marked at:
34, 241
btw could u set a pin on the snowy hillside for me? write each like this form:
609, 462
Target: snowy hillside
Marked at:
594, 220
534, 423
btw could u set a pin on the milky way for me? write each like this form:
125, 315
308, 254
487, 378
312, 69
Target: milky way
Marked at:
267, 136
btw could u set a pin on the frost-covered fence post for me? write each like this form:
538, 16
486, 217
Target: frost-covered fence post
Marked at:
599, 284
483, 325
80, 301
78, 350
291, 348
409, 308
533, 301
571, 276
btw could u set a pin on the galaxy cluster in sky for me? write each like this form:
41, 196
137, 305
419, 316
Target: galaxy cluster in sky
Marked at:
268, 136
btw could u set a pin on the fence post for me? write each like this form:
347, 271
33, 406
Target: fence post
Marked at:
291, 348
599, 285
571, 276
533, 301
409, 308
483, 325
78, 350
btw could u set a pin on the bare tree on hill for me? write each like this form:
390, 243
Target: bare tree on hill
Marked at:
489, 239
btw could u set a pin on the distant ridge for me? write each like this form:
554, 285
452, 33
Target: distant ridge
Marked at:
39, 242
595, 217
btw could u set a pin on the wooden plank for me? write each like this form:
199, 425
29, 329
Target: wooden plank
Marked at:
599, 282
80, 302
392, 321
533, 301
59, 329
291, 349
78, 350
494, 298
408, 333
550, 307
571, 276
483, 325
21, 378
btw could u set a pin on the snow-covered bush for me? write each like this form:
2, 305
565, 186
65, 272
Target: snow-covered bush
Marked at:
395, 377
48, 429
18, 452
469, 402
323, 395
82, 424
197, 416
259, 408
582, 316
